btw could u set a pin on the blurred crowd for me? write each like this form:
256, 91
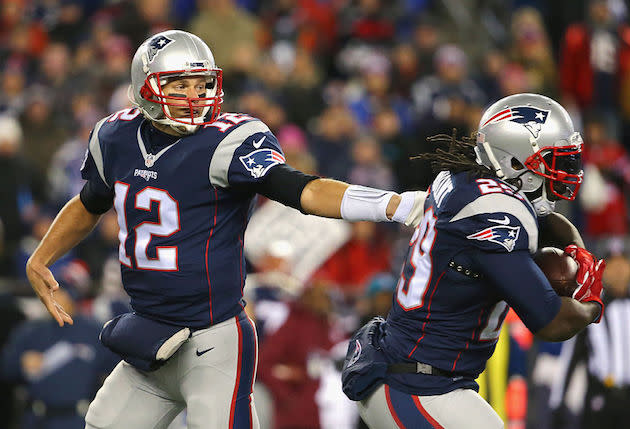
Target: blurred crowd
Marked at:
352, 89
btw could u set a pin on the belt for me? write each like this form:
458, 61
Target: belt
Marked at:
419, 368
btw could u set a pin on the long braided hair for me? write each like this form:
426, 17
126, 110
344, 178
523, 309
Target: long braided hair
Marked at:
459, 155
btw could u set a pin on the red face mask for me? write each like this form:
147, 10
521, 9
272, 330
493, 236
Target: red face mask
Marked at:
209, 106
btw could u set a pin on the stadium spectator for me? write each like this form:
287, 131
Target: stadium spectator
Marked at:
377, 299
290, 359
228, 29
368, 167
607, 181
334, 130
532, 51
595, 58
20, 192
440, 98
42, 133
366, 253
61, 368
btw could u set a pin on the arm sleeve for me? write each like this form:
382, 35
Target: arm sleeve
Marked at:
518, 280
285, 185
96, 197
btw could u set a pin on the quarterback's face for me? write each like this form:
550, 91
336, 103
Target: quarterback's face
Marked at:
185, 87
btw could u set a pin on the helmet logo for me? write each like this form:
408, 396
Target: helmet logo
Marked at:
156, 45
531, 118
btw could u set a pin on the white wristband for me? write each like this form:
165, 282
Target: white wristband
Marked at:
363, 203
407, 200
411, 208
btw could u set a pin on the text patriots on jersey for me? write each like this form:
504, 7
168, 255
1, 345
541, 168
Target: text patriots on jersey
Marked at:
506, 236
260, 161
145, 174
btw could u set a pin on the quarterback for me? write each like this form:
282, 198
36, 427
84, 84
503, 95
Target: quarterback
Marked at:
181, 176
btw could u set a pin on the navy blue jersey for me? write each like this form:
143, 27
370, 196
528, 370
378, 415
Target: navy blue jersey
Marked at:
468, 261
182, 210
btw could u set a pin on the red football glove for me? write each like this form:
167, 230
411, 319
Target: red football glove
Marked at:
586, 267
589, 277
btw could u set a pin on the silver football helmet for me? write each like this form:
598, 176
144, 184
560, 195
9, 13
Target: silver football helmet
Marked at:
172, 54
529, 141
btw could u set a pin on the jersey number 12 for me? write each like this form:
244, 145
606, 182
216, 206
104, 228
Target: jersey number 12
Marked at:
167, 225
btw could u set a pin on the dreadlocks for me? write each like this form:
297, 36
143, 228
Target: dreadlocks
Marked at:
459, 157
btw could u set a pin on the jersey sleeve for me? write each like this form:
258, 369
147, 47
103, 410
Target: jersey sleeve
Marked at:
520, 282
92, 168
497, 223
245, 156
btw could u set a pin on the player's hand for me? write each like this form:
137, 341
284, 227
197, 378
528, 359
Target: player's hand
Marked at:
411, 208
594, 293
591, 289
44, 284
586, 266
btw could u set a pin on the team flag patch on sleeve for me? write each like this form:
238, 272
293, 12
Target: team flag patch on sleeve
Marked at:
506, 236
260, 161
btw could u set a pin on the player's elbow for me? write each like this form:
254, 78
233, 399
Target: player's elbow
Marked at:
308, 196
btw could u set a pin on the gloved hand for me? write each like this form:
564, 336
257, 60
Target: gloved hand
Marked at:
589, 277
586, 265
411, 208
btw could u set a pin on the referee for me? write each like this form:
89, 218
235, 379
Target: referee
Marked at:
605, 349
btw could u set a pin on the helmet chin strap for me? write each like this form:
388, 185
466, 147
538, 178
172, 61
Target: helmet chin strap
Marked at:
542, 204
184, 129
493, 160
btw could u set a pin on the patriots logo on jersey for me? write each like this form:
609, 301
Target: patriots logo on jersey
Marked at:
531, 118
156, 45
260, 161
506, 236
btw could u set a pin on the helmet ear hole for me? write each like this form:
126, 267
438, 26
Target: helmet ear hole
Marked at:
516, 164
146, 92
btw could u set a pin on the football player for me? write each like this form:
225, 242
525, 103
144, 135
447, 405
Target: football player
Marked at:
470, 260
181, 177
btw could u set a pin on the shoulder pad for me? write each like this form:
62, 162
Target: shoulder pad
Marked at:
227, 147
497, 222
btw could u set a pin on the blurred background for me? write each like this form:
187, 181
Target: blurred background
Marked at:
351, 88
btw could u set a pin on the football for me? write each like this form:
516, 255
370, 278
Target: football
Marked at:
559, 268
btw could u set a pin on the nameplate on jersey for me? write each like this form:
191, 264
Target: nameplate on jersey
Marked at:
504, 235
260, 161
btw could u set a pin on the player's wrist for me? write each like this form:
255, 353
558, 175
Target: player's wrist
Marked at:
410, 209
595, 308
